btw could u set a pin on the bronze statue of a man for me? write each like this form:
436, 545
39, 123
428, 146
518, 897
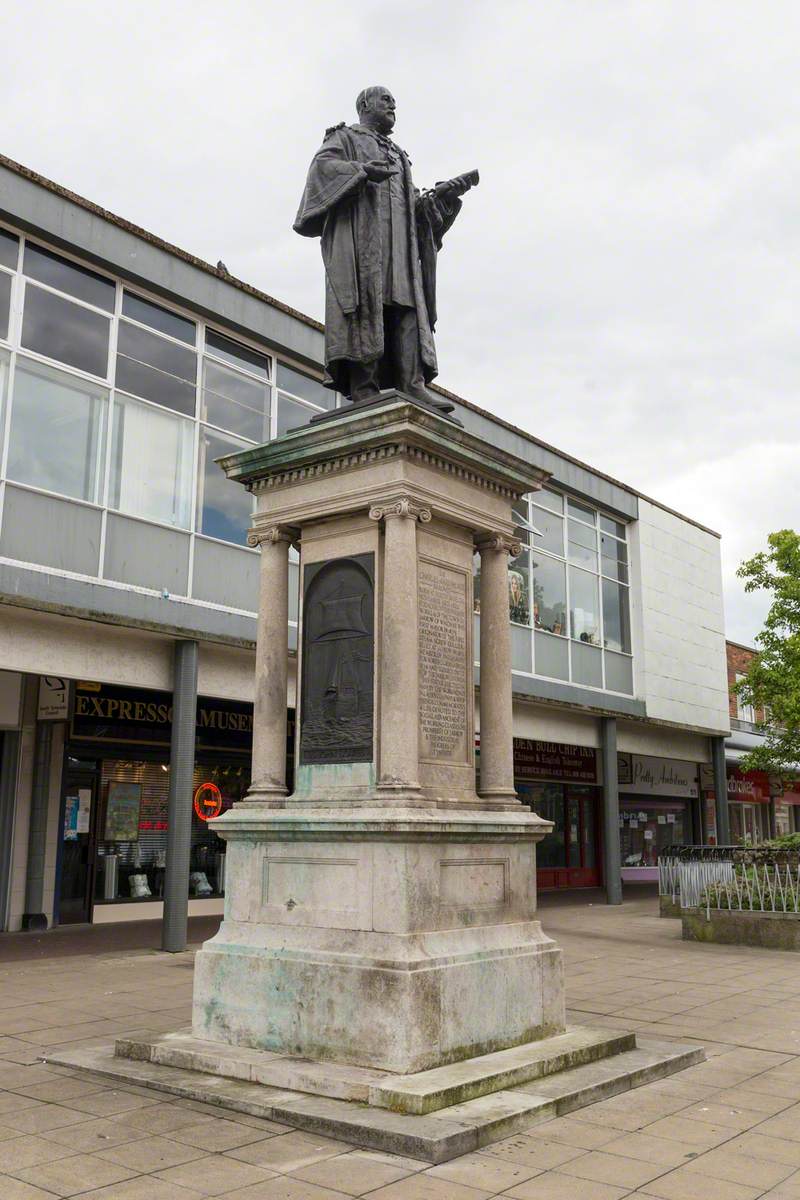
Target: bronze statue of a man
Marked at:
380, 238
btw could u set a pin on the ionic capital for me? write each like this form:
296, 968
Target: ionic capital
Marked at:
405, 507
273, 534
500, 544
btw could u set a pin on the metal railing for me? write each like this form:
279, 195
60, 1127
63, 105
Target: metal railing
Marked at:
757, 884
741, 878
685, 872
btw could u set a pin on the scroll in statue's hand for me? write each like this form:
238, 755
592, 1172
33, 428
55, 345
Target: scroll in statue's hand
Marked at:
377, 170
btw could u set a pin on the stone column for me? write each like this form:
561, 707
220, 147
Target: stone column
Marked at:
268, 785
497, 739
398, 767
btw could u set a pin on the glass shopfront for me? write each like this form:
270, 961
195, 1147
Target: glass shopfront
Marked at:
748, 806
115, 798
559, 782
656, 801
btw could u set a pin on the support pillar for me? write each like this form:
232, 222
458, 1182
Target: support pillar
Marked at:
179, 810
398, 772
497, 742
720, 790
34, 917
612, 866
268, 786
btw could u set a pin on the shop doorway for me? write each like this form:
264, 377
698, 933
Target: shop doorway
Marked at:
567, 857
78, 837
747, 823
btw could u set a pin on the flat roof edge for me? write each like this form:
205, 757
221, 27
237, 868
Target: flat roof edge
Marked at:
224, 276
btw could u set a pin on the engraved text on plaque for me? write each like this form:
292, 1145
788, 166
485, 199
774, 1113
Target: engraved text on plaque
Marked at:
442, 663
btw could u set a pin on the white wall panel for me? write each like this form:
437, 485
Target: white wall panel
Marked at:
681, 652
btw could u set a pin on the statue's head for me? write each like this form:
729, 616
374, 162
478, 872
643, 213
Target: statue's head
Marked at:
376, 107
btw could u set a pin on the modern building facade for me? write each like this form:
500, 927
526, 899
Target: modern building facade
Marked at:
126, 368
760, 805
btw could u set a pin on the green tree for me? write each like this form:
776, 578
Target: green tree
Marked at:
772, 682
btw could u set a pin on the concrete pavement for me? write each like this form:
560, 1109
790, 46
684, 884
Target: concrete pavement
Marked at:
728, 1129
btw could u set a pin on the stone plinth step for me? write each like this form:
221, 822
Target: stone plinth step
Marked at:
456, 1083
425, 1092
436, 1137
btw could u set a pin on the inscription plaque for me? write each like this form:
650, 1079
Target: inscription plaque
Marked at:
442, 599
338, 659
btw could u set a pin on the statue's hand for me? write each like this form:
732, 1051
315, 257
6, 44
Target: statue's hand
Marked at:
377, 170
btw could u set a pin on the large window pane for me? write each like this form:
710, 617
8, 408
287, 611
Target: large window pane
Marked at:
582, 545
224, 508
5, 303
619, 673
547, 801
305, 387
65, 331
158, 318
549, 594
587, 664
67, 276
614, 558
610, 526
519, 589
236, 354
521, 648
235, 402
581, 512
616, 617
547, 499
291, 414
549, 531
9, 249
551, 656
57, 429
156, 369
151, 463
584, 608
5, 360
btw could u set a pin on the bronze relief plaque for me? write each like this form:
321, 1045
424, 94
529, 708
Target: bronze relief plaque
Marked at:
337, 688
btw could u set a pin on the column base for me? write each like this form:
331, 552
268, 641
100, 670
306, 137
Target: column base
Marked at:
265, 795
400, 939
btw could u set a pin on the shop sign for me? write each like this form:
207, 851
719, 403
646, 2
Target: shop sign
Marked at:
656, 776
753, 786
53, 698
105, 713
208, 801
554, 760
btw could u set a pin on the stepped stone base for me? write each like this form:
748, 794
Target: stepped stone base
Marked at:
420, 1093
483, 1099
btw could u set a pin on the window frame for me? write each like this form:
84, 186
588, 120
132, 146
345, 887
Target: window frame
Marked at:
524, 531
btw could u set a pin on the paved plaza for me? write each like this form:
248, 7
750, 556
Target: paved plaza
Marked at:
728, 1129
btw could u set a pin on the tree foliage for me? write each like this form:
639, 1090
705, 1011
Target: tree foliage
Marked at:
772, 682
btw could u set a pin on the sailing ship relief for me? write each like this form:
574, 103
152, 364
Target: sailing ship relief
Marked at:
338, 662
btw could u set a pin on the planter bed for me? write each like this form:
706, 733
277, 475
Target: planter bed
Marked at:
773, 930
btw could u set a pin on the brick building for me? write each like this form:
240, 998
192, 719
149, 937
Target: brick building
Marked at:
759, 805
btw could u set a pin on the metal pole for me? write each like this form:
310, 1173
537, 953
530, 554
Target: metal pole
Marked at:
34, 917
179, 814
721, 790
612, 867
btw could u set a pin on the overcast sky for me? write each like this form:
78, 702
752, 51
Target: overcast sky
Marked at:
625, 282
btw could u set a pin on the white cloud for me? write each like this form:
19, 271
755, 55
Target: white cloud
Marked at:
625, 281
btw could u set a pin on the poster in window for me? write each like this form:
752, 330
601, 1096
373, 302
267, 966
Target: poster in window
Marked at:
122, 811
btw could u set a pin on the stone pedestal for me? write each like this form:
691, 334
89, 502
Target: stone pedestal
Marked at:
383, 915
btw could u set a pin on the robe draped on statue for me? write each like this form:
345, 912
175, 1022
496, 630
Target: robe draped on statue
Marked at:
375, 236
